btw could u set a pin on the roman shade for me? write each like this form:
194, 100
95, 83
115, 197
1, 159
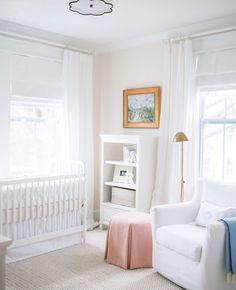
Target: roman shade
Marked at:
35, 77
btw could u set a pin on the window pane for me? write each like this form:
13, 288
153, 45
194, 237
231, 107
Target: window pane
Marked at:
230, 152
214, 105
213, 150
34, 138
231, 104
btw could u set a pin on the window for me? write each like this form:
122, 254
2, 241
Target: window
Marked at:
34, 137
218, 134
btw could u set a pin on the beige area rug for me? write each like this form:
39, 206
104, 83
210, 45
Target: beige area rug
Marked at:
80, 267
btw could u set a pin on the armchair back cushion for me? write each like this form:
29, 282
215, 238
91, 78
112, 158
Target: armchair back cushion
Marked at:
216, 192
210, 212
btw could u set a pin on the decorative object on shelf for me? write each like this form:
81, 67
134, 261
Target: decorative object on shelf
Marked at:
123, 174
131, 178
133, 156
141, 108
181, 137
129, 153
123, 196
91, 7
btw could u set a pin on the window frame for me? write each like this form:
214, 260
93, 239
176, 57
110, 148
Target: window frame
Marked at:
203, 121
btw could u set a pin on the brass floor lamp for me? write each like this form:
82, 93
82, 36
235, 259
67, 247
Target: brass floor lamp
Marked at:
181, 137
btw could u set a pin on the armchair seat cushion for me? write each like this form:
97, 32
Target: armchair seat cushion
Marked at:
185, 239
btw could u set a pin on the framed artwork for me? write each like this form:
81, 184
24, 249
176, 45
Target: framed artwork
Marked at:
123, 174
141, 108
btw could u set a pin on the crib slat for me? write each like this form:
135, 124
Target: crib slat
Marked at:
74, 204
19, 228
48, 208
14, 211
70, 202
17, 222
84, 211
55, 214
79, 194
38, 190
61, 202
44, 208
26, 228
65, 194
7, 210
32, 209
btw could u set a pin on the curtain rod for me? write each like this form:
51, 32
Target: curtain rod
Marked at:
42, 41
205, 34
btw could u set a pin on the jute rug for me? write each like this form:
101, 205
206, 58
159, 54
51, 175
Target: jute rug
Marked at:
80, 267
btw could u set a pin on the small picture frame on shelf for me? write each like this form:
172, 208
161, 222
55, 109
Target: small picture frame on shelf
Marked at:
130, 154
123, 174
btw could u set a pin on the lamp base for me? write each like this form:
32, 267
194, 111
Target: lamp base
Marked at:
182, 182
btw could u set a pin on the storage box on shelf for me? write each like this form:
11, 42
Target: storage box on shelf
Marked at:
123, 196
126, 180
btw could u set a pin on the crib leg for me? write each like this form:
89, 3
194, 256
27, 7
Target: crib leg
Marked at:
85, 215
4, 243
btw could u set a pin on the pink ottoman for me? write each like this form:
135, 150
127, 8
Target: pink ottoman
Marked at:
129, 241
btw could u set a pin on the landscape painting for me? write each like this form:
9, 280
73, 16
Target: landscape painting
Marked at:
141, 108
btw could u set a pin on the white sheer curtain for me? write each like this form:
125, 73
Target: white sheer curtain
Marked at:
78, 104
178, 113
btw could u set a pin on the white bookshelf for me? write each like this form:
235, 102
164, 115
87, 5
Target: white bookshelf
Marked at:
143, 171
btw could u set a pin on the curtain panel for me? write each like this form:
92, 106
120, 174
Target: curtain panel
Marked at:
78, 109
178, 113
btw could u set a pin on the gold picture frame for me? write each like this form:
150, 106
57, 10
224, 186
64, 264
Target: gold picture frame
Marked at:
141, 108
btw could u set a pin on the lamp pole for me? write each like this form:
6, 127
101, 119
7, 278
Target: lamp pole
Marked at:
182, 173
181, 137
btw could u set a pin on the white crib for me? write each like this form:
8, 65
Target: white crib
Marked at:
41, 208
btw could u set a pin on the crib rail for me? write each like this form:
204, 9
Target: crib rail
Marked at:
32, 209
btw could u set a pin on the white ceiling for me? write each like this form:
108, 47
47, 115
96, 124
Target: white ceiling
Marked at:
130, 19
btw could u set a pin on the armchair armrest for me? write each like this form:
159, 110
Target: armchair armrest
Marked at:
177, 213
169, 214
213, 254
214, 242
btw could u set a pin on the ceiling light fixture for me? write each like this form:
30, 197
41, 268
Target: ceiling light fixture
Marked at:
91, 7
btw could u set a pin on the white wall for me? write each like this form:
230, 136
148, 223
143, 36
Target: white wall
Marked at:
125, 69
113, 72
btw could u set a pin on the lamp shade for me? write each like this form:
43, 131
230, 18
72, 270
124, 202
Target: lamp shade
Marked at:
180, 137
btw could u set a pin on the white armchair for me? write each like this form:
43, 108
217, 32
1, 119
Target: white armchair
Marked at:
190, 255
